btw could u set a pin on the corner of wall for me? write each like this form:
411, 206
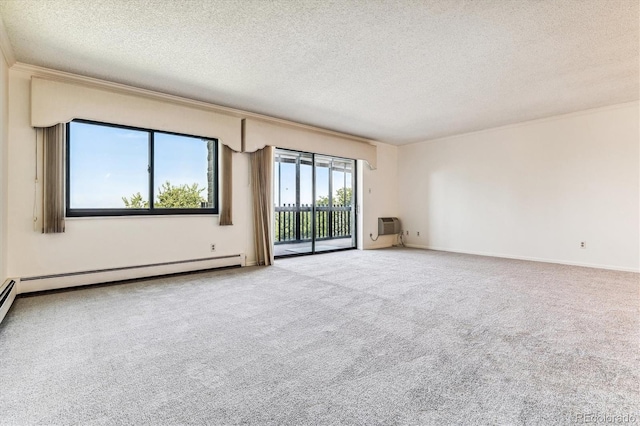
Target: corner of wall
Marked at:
379, 193
4, 135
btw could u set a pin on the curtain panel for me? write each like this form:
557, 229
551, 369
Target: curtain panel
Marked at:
226, 204
261, 183
53, 179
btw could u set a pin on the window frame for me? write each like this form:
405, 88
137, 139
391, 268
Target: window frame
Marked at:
150, 211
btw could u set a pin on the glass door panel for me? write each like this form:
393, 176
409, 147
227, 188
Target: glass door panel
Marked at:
343, 205
305, 205
320, 214
323, 200
285, 196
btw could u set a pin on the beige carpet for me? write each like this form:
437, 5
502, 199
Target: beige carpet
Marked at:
395, 336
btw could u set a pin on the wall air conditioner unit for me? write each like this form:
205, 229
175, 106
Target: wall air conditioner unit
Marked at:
388, 226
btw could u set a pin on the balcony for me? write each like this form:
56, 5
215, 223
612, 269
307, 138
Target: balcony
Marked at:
294, 225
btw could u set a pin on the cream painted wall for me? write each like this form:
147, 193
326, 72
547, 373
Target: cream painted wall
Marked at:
98, 243
379, 196
532, 191
4, 126
112, 242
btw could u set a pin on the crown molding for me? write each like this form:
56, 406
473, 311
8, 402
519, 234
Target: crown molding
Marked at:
67, 77
628, 104
5, 45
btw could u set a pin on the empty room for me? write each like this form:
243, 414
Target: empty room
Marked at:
361, 212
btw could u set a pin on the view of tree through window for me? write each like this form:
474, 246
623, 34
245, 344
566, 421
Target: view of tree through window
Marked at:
111, 170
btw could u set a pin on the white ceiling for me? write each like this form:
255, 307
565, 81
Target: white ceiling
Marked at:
398, 71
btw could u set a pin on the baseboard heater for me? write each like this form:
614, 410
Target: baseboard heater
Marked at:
74, 279
7, 296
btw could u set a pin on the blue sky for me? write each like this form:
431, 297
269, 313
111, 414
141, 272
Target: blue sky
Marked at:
108, 163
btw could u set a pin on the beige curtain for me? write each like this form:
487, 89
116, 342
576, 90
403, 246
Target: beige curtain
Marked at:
54, 202
261, 183
226, 217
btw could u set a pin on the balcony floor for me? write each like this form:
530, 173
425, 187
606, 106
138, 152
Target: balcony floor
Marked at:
291, 249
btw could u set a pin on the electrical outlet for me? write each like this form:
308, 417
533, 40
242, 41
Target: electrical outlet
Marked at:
583, 244
418, 233
213, 247
407, 232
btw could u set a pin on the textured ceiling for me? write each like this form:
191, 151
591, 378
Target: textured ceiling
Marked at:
398, 71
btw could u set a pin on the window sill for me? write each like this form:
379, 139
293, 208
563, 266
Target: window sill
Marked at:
140, 216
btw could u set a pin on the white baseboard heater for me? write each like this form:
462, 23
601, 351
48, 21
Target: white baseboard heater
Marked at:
74, 279
7, 296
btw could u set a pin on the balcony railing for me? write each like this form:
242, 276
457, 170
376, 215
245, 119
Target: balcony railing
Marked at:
294, 224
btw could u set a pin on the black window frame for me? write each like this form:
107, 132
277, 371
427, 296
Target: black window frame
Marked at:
150, 211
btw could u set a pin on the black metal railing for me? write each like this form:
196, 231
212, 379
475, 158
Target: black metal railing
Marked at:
294, 224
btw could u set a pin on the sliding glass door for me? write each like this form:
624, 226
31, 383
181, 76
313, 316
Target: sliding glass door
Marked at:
314, 201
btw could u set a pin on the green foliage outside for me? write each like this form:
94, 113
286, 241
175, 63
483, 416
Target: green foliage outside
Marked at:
135, 202
341, 198
170, 196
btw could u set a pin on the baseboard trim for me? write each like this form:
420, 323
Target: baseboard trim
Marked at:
532, 259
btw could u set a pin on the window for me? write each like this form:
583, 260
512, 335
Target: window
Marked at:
116, 171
